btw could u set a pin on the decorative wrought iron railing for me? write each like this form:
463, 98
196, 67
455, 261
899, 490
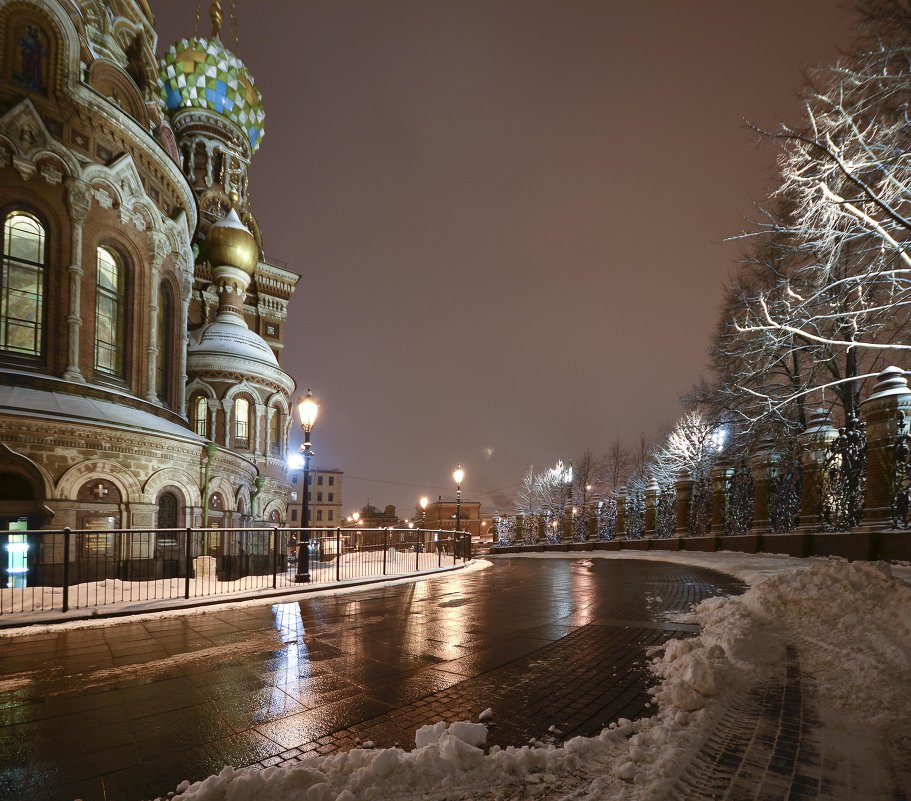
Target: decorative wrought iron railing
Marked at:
581, 524
785, 489
901, 488
635, 513
844, 478
89, 569
666, 512
738, 518
606, 518
700, 512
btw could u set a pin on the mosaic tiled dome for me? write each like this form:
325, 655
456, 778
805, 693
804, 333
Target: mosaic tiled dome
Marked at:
202, 73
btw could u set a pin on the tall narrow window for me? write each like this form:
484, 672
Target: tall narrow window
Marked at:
164, 367
201, 416
109, 331
275, 432
242, 423
22, 284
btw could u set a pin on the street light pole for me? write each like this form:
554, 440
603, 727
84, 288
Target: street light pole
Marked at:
307, 410
458, 475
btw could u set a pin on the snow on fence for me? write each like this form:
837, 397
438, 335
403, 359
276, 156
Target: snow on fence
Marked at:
88, 569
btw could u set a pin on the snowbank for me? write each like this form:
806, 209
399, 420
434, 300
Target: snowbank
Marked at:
850, 624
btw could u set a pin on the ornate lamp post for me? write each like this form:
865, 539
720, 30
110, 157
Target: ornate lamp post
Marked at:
307, 408
457, 476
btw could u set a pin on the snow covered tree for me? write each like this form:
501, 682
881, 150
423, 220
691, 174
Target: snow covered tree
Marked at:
693, 446
843, 224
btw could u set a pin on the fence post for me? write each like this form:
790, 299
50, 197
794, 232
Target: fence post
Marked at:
417, 553
439, 546
466, 547
652, 491
274, 557
684, 487
385, 548
890, 401
338, 554
188, 556
66, 569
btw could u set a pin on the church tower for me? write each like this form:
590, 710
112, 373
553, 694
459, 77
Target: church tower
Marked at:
237, 393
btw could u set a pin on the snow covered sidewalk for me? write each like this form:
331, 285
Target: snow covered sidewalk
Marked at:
800, 686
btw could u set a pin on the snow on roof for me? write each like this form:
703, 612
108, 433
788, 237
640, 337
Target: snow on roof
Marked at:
79, 408
231, 339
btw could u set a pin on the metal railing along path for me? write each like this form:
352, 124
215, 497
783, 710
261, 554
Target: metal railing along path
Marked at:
66, 569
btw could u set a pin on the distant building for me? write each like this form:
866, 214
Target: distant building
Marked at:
371, 517
442, 514
324, 505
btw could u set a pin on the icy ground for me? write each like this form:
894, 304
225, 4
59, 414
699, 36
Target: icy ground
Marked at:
849, 625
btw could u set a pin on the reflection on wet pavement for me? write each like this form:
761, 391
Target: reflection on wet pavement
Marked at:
128, 711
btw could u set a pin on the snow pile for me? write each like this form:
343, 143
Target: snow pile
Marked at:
850, 625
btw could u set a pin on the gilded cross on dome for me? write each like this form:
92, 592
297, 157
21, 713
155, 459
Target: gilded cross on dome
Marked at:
216, 17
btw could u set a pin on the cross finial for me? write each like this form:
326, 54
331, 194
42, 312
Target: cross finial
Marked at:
216, 17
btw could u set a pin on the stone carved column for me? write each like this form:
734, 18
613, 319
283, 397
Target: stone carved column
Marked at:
186, 287
761, 460
652, 491
814, 440
79, 202
891, 398
212, 405
228, 406
684, 487
721, 472
259, 436
157, 253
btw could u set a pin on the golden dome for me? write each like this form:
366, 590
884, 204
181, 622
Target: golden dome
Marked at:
230, 243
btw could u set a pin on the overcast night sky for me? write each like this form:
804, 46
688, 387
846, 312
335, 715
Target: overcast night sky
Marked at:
508, 214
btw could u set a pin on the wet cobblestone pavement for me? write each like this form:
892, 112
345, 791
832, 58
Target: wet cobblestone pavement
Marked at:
126, 712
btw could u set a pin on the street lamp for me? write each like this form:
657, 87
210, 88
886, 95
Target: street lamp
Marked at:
307, 409
457, 476
423, 502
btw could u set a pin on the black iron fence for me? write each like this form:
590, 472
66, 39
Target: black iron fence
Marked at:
67, 569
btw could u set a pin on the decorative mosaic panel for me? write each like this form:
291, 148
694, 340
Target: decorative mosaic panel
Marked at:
201, 73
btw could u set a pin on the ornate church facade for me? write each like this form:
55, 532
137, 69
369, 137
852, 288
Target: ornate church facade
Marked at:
141, 326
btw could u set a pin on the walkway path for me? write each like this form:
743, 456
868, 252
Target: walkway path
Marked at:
126, 712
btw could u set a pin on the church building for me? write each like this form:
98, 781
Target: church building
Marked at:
141, 325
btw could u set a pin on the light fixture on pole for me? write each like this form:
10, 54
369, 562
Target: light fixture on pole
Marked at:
457, 476
307, 409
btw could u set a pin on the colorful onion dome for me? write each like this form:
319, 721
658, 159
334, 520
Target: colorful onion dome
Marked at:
204, 74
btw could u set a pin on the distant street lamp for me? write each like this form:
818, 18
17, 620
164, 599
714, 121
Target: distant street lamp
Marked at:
307, 409
457, 476
424, 502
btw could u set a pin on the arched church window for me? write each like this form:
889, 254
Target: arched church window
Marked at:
22, 284
165, 360
275, 432
109, 313
201, 416
242, 423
